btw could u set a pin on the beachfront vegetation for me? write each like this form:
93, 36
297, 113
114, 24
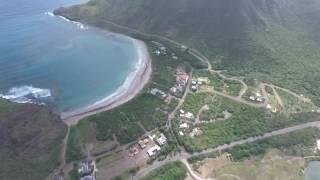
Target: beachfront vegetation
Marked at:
170, 171
31, 139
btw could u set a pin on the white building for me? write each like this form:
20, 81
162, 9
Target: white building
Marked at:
161, 140
189, 115
184, 126
153, 150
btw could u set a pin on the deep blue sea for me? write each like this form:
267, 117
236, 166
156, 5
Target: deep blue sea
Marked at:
44, 58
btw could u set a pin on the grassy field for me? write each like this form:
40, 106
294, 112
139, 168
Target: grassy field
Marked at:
273, 165
171, 171
31, 138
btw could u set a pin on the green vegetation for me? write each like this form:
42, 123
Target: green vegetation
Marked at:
233, 87
215, 80
74, 151
275, 41
269, 90
170, 171
293, 104
245, 121
31, 138
74, 174
298, 143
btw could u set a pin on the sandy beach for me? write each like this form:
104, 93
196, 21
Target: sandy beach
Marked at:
134, 83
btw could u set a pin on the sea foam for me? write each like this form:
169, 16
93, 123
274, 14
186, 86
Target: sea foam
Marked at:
78, 24
26, 94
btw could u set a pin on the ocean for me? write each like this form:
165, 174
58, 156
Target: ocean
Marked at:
66, 65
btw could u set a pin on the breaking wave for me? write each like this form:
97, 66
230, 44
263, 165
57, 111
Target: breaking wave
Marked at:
78, 24
26, 94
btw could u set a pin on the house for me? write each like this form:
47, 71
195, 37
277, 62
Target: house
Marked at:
153, 150
86, 167
181, 133
189, 115
158, 92
173, 90
195, 132
143, 143
318, 144
184, 126
252, 98
161, 139
269, 106
89, 177
194, 87
157, 52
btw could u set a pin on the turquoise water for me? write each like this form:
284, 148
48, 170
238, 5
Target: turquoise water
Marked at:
313, 171
47, 59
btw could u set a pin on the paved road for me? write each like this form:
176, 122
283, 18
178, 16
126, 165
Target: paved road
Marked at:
184, 155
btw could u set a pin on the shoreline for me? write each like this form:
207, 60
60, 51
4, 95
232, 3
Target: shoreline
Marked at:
131, 87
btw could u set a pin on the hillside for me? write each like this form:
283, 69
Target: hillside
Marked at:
273, 40
30, 141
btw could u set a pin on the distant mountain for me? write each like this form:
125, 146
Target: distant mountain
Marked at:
30, 141
273, 40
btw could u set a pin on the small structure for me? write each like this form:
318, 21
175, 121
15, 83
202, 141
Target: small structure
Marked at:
318, 144
269, 106
258, 98
87, 170
153, 150
133, 150
161, 139
194, 88
189, 115
173, 90
158, 92
181, 133
195, 132
143, 143
157, 52
184, 126
85, 167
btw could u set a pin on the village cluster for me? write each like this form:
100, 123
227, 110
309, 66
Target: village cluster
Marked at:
186, 118
151, 145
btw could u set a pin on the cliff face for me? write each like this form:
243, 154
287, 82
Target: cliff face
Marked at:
30, 142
